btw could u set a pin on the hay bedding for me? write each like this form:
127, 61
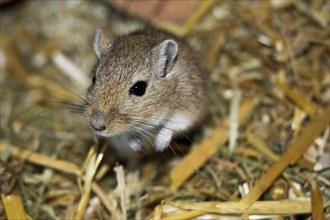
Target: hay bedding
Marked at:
264, 152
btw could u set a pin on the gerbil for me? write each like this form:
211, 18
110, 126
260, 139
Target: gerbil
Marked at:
148, 87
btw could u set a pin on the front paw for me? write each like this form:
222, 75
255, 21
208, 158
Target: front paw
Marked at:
135, 144
163, 139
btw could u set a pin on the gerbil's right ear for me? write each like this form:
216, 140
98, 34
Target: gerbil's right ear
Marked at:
101, 42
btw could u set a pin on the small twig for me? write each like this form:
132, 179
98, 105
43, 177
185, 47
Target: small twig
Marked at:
122, 188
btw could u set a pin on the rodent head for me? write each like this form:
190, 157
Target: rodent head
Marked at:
133, 84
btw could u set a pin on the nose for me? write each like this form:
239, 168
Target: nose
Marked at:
98, 126
97, 121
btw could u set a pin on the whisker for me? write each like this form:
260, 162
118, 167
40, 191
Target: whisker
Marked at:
66, 89
185, 136
143, 134
148, 128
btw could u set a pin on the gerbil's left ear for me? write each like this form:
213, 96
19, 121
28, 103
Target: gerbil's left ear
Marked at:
166, 54
101, 42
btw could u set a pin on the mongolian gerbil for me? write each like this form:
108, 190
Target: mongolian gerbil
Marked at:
148, 85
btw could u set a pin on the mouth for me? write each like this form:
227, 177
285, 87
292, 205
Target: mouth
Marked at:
103, 133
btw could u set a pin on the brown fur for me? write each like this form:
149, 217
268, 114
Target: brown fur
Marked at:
133, 58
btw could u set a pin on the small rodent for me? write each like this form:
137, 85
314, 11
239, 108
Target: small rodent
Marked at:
148, 87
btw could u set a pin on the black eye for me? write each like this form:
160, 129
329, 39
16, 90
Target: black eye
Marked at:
138, 88
94, 79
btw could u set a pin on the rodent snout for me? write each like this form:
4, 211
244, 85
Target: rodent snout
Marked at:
97, 121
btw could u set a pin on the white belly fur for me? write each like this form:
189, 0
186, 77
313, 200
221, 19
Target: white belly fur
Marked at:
179, 122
